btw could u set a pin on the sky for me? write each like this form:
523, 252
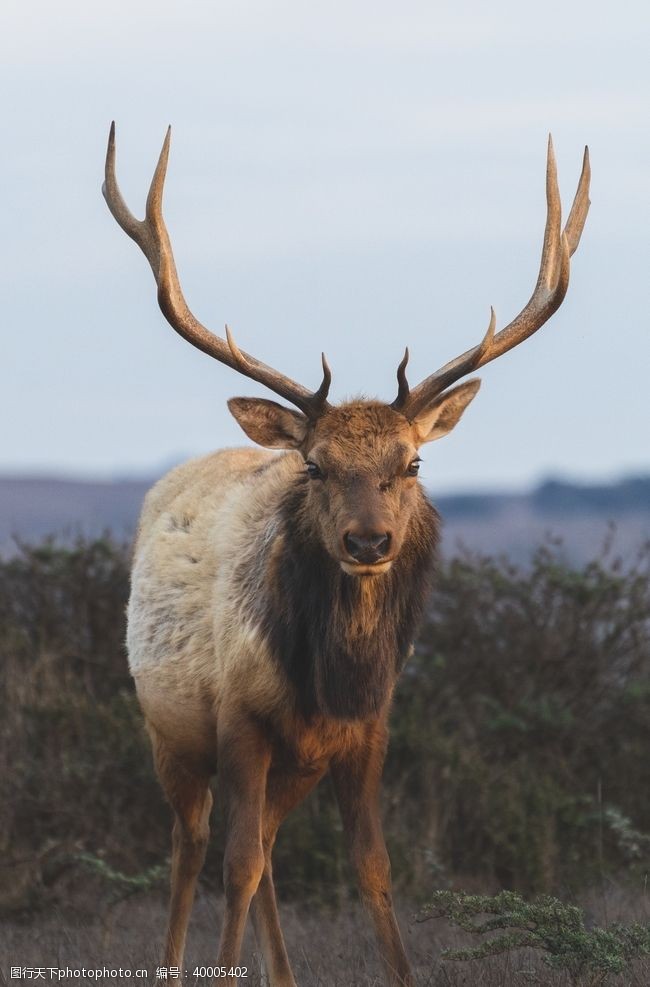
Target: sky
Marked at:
347, 177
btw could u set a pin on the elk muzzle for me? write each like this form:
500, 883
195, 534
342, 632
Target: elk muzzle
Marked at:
366, 551
367, 548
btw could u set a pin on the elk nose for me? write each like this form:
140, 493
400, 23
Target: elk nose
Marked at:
367, 548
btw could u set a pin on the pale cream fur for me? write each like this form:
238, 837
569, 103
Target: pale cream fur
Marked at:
191, 644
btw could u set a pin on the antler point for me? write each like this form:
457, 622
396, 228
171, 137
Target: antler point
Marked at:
327, 373
110, 149
489, 335
551, 151
403, 389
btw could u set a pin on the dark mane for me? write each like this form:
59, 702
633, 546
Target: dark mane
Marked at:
340, 643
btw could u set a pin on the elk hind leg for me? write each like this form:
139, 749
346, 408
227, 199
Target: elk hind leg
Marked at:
186, 786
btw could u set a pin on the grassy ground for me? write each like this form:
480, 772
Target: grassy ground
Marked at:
327, 949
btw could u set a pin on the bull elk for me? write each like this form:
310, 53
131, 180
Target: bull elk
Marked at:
275, 599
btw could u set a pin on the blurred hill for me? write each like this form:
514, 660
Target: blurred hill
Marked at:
580, 515
584, 517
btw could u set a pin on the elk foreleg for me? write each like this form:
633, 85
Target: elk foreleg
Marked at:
243, 758
283, 793
356, 776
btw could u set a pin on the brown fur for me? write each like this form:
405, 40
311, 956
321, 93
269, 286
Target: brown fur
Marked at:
271, 611
263, 649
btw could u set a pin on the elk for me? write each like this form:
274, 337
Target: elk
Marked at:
275, 598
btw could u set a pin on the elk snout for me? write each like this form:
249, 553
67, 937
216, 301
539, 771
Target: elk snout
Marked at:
367, 548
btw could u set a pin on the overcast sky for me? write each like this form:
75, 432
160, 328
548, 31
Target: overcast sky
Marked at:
352, 177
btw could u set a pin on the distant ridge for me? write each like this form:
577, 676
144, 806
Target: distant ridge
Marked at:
554, 498
32, 508
584, 517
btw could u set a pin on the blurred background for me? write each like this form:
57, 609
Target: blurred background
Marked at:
352, 178
347, 177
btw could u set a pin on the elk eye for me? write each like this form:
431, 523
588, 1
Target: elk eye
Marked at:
313, 471
414, 467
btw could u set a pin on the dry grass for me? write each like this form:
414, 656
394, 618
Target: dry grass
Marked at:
327, 948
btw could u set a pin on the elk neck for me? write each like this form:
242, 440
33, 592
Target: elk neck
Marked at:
340, 640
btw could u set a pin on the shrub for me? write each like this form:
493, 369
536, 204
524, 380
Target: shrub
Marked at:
522, 725
519, 744
558, 930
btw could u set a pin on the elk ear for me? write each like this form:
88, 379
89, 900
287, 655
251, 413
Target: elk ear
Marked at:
269, 424
438, 419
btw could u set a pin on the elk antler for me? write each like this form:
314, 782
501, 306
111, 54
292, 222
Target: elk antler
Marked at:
153, 239
551, 287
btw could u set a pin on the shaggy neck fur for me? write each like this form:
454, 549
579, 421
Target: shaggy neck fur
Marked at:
342, 640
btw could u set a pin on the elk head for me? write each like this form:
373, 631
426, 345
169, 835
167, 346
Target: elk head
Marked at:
360, 458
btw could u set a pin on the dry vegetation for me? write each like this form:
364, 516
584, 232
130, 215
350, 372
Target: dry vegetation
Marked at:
328, 948
519, 759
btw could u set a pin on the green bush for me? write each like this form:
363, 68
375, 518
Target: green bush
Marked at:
546, 925
521, 727
518, 757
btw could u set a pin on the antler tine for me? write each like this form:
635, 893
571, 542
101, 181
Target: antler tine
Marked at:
550, 290
575, 224
320, 396
153, 239
111, 192
403, 389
